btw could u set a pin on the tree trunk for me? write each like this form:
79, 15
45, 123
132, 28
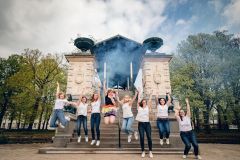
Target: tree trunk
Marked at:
40, 118
34, 113
206, 117
4, 107
11, 121
219, 117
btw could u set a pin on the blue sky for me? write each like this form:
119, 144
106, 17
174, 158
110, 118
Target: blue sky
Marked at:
49, 25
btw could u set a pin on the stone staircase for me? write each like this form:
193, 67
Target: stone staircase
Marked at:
65, 140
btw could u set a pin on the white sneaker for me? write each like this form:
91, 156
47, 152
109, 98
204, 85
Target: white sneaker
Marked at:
67, 118
129, 138
136, 135
184, 156
161, 142
61, 126
167, 141
198, 157
143, 154
93, 142
150, 154
86, 138
98, 143
79, 139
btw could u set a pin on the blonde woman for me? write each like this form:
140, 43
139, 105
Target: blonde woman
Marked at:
58, 113
128, 117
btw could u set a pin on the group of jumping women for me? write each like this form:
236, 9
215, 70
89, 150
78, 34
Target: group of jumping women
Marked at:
109, 111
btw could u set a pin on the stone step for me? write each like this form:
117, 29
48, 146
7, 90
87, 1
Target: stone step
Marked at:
54, 150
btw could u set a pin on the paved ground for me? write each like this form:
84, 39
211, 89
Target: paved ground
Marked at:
30, 151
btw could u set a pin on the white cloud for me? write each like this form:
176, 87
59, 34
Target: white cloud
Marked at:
181, 22
49, 25
217, 4
232, 12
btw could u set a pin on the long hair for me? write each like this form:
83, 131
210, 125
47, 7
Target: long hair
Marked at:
92, 99
85, 98
140, 103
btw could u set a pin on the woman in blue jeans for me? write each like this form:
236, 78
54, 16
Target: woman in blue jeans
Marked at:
95, 116
162, 118
82, 110
144, 108
186, 132
128, 118
58, 113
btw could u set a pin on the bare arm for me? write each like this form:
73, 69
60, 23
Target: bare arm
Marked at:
177, 109
150, 102
169, 99
117, 98
134, 98
188, 107
58, 90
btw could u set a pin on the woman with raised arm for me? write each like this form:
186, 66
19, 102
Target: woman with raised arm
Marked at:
95, 116
186, 132
109, 109
162, 118
58, 113
128, 117
82, 110
144, 108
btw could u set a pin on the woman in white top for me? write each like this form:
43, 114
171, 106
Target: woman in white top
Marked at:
187, 135
128, 118
162, 118
82, 110
58, 113
95, 116
144, 125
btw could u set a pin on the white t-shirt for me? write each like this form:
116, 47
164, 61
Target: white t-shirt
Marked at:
185, 124
60, 103
127, 110
143, 114
96, 106
82, 109
162, 111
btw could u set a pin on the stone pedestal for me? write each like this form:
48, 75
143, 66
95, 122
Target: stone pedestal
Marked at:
81, 72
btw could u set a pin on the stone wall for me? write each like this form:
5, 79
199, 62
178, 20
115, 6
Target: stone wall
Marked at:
81, 72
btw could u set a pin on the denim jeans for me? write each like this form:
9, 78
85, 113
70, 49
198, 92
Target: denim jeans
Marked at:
163, 127
58, 114
145, 127
188, 138
82, 120
127, 125
95, 121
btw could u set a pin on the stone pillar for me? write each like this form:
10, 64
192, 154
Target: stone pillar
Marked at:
156, 76
81, 72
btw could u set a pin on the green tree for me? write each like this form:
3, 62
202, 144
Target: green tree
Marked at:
8, 67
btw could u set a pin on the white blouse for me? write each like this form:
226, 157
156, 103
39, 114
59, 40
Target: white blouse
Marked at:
162, 111
96, 106
143, 114
82, 109
185, 124
60, 103
127, 110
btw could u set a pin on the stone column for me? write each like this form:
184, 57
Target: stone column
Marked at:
80, 74
156, 76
